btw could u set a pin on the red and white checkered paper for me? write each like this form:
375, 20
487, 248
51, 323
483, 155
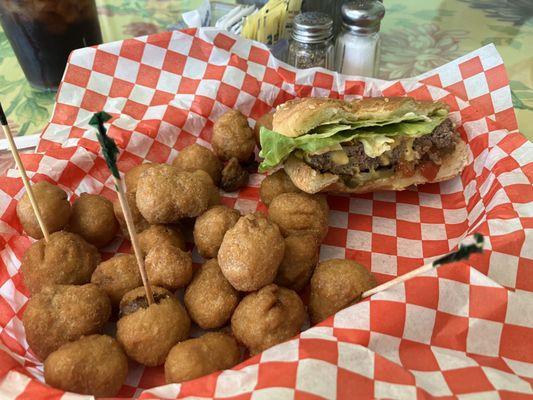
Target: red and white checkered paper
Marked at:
463, 330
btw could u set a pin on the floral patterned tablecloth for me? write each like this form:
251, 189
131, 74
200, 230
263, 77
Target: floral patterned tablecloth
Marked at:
417, 36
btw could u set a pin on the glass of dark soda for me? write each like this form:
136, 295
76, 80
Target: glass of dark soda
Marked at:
44, 32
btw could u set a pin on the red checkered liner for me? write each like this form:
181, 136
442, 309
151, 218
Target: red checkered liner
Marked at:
463, 329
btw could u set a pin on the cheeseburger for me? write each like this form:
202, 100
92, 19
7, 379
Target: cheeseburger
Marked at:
328, 145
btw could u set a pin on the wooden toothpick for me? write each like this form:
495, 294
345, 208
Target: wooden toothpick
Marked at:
110, 151
462, 254
24, 176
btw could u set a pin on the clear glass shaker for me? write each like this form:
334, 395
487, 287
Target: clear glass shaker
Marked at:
330, 7
357, 46
311, 43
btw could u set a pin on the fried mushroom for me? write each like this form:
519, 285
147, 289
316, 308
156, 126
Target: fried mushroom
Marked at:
94, 365
93, 219
210, 228
63, 313
205, 179
196, 157
131, 178
276, 184
234, 176
168, 266
117, 276
251, 252
337, 284
53, 205
156, 235
297, 213
210, 299
148, 332
232, 137
193, 358
166, 195
65, 259
267, 317
299, 261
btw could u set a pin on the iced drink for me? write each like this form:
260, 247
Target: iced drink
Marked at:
44, 32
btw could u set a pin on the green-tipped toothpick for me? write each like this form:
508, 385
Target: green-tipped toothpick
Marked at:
464, 251
110, 151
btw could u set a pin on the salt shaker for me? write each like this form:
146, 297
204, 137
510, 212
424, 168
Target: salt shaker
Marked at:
311, 43
357, 46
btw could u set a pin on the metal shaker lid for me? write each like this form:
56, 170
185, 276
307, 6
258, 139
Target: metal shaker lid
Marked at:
312, 27
362, 16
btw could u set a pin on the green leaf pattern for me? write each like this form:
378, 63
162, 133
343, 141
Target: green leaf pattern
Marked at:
412, 51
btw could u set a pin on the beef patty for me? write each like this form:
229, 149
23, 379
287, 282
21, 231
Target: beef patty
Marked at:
432, 147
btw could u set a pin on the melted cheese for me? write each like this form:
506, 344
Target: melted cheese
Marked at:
410, 154
375, 146
339, 157
385, 159
363, 177
327, 149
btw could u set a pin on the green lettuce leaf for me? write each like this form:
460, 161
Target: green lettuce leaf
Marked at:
275, 148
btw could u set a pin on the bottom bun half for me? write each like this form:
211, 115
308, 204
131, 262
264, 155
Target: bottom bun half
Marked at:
312, 181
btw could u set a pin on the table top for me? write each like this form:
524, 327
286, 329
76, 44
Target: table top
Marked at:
416, 37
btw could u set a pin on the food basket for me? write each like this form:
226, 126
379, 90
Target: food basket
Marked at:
465, 328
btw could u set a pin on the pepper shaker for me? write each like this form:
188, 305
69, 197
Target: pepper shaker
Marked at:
311, 43
357, 46
330, 7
